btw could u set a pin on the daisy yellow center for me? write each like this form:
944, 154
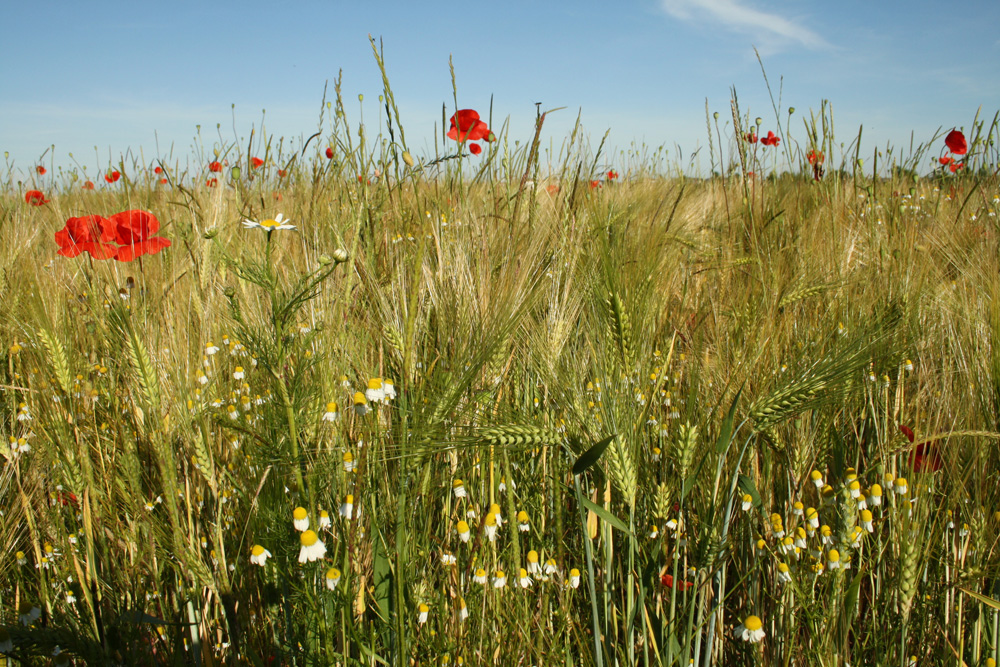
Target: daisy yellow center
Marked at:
480, 572
491, 519
331, 407
522, 516
532, 556
463, 527
457, 484
752, 623
494, 508
333, 573
423, 608
308, 538
257, 550
522, 573
299, 513
574, 572
359, 398
834, 556
375, 383
269, 223
500, 574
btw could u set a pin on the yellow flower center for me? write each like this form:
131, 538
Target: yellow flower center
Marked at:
308, 538
753, 623
299, 513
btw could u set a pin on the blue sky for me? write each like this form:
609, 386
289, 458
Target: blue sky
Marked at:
120, 76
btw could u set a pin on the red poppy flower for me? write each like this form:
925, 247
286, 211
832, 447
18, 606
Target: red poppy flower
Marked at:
282, 173
466, 126
41, 170
134, 232
595, 184
212, 182
955, 141
113, 176
815, 157
475, 149
67, 498
329, 153
553, 189
955, 166
924, 457
751, 137
158, 170
770, 140
612, 175
944, 160
256, 162
88, 185
215, 166
668, 581
163, 181
92, 234
35, 198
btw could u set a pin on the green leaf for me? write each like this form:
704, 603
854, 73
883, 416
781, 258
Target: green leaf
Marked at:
851, 604
590, 457
606, 515
726, 432
990, 602
382, 579
748, 488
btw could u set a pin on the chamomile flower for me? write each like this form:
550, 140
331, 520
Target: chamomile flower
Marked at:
458, 488
495, 511
259, 555
480, 576
523, 523
324, 519
23, 414
375, 392
360, 404
875, 495
751, 630
422, 612
332, 413
233, 412
463, 530
491, 526
269, 225
784, 573
899, 486
463, 610
833, 559
210, 348
349, 464
523, 580
28, 613
347, 507
21, 558
866, 520
550, 567
448, 559
332, 578
238, 373
533, 567
574, 578
389, 389
300, 519
826, 535
817, 479
499, 579
312, 547
747, 502
855, 488
798, 509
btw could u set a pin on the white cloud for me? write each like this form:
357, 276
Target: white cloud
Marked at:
739, 17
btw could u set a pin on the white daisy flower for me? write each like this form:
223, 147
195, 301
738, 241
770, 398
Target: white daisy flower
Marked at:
269, 225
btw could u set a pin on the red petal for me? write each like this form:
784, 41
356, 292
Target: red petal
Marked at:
955, 141
907, 431
475, 149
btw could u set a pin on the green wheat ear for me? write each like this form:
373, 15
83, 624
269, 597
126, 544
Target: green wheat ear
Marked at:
56, 358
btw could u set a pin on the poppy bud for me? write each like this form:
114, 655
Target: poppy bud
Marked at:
715, 115
791, 110
759, 121
340, 255
361, 98
407, 158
